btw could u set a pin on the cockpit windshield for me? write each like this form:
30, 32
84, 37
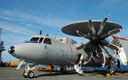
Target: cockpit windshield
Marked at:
34, 39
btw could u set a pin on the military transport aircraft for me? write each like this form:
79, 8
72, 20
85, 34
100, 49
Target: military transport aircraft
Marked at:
46, 50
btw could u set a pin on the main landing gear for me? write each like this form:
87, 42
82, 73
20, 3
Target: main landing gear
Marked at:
110, 69
28, 73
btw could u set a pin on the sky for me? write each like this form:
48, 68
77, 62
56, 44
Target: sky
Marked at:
20, 19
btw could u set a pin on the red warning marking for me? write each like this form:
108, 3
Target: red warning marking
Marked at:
89, 18
97, 60
110, 59
75, 49
108, 16
115, 37
71, 53
66, 40
119, 51
85, 62
121, 29
102, 65
77, 31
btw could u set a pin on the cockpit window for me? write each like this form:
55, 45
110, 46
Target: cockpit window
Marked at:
41, 39
47, 41
34, 39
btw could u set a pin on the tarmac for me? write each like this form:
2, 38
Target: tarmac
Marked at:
13, 74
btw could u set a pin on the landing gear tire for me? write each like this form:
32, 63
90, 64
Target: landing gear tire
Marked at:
110, 71
30, 74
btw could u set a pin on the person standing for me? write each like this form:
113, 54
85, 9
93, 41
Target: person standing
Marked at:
118, 65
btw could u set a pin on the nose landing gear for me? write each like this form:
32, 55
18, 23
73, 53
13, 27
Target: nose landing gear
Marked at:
78, 65
28, 73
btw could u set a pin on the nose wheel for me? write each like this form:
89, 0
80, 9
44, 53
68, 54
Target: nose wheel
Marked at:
28, 73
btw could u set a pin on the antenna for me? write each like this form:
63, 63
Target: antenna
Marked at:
40, 32
47, 34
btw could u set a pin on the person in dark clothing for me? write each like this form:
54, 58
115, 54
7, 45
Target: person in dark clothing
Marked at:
118, 65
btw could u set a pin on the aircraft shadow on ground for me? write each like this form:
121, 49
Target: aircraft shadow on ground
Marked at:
55, 74
71, 73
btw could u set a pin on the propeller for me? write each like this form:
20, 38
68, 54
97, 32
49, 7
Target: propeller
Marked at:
97, 39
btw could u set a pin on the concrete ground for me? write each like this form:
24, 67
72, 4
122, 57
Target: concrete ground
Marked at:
12, 74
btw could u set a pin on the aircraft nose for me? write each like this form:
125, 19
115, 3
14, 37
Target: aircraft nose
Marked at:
11, 50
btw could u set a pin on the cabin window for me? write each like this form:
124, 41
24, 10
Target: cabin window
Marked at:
34, 39
41, 39
47, 41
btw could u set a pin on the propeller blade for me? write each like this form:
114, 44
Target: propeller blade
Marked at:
81, 47
89, 56
110, 33
91, 27
102, 56
106, 43
102, 25
114, 57
82, 34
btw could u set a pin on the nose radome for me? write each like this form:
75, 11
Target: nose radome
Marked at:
11, 50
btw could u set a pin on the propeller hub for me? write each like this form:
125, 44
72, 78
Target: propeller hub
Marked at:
95, 39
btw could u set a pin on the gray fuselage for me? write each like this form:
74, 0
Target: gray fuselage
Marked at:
50, 51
